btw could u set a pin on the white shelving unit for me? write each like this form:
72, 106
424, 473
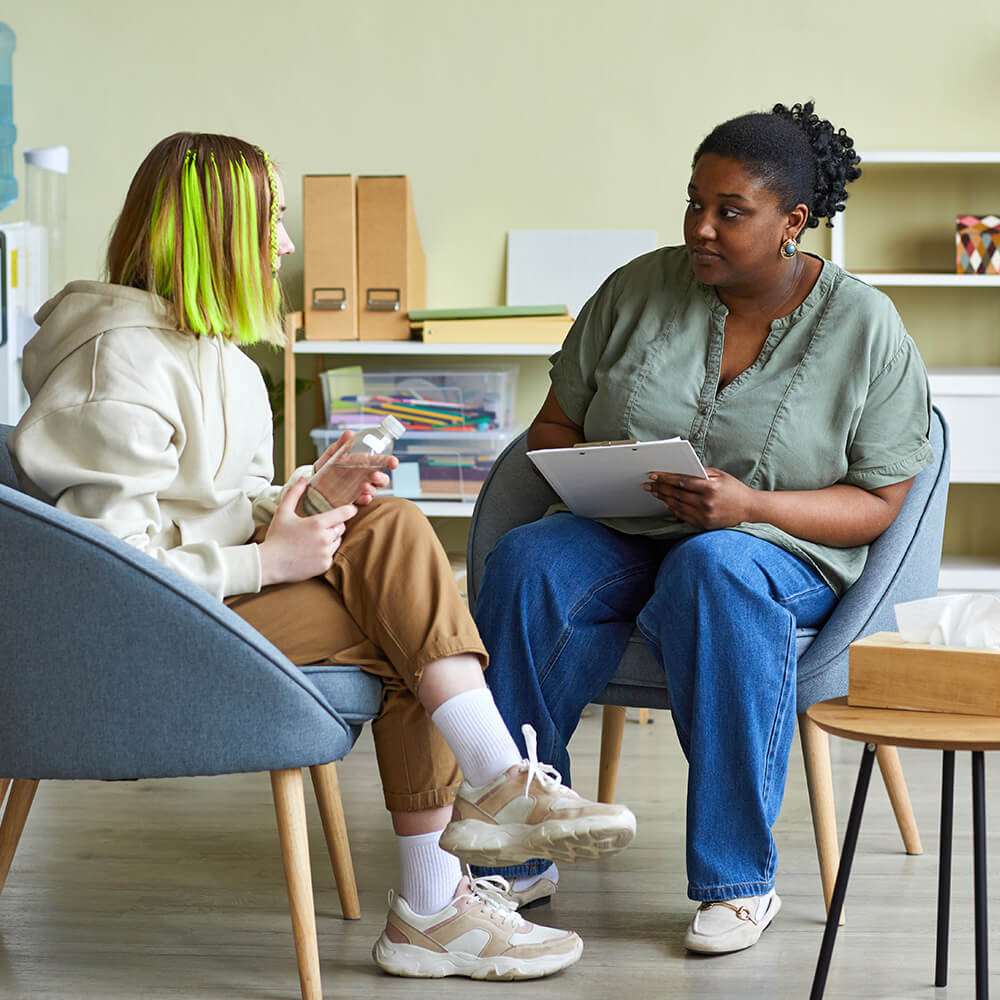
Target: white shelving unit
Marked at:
927, 279
889, 279
969, 398
962, 573
417, 349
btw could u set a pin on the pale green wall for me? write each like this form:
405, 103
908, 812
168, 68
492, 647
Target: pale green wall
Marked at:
526, 114
548, 113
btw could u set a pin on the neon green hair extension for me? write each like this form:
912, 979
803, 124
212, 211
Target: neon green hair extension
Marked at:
217, 275
162, 246
199, 295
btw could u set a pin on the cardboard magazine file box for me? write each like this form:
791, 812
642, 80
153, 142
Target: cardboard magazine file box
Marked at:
392, 273
329, 243
888, 672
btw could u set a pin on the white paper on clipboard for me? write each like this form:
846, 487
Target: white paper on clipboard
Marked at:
606, 480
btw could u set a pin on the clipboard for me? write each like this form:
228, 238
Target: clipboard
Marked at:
606, 480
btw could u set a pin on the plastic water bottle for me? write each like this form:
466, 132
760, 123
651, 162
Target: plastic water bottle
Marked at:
8, 182
342, 476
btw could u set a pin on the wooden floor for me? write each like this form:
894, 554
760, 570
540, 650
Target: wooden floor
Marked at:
164, 889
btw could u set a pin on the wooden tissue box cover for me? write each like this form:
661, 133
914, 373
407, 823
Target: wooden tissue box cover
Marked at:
888, 672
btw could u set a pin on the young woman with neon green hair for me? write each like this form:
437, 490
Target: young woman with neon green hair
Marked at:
191, 232
147, 419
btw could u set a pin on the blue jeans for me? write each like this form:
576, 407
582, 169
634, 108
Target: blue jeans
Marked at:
560, 598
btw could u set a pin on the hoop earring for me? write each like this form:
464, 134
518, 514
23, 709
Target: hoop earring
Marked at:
789, 248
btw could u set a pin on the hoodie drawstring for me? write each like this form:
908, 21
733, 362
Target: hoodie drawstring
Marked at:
93, 369
223, 388
225, 398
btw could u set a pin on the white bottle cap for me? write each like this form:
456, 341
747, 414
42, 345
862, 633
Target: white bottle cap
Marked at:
393, 426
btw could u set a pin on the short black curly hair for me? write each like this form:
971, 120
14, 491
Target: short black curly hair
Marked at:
795, 153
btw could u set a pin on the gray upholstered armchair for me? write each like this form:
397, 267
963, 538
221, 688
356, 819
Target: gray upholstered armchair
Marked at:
115, 667
903, 565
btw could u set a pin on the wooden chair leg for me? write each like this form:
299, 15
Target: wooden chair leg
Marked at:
290, 809
895, 785
4, 782
819, 781
643, 716
331, 811
22, 794
612, 728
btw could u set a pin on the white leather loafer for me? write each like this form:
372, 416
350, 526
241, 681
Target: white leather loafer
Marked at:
731, 924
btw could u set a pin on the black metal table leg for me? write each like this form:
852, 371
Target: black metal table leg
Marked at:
843, 872
944, 866
979, 862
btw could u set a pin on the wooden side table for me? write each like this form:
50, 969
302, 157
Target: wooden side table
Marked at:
937, 731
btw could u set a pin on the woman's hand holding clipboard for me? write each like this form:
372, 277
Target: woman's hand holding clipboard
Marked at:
608, 479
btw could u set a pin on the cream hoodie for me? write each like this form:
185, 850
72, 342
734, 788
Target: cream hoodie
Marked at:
160, 436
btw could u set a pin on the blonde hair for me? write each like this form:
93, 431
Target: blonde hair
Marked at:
199, 228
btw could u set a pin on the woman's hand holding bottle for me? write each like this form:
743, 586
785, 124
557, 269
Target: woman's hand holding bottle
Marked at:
359, 473
353, 468
299, 548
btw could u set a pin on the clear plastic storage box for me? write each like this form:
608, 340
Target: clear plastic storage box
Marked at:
457, 401
438, 465
457, 423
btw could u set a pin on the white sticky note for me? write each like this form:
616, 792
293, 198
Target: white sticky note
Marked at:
406, 480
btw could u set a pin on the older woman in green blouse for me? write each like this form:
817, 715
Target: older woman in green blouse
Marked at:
807, 401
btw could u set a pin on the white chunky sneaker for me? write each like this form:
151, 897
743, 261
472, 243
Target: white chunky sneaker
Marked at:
479, 934
527, 812
732, 924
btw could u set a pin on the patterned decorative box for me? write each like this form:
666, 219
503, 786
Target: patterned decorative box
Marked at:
977, 244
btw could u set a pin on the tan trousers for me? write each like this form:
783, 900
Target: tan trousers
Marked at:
388, 604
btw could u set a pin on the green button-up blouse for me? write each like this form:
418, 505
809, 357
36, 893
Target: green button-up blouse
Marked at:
838, 393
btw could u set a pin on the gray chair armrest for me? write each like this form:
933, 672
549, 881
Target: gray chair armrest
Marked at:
903, 565
117, 667
7, 475
512, 494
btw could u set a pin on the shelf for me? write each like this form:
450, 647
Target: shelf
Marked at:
964, 381
446, 508
502, 435
915, 279
417, 348
927, 279
969, 573
969, 398
969, 473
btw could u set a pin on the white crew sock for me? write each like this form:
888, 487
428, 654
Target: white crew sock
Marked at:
473, 728
429, 876
523, 882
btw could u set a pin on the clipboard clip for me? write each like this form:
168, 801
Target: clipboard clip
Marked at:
604, 444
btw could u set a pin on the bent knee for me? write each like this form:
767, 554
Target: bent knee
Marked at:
526, 556
714, 560
704, 550
513, 549
394, 515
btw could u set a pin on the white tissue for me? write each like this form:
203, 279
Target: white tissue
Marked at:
956, 620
